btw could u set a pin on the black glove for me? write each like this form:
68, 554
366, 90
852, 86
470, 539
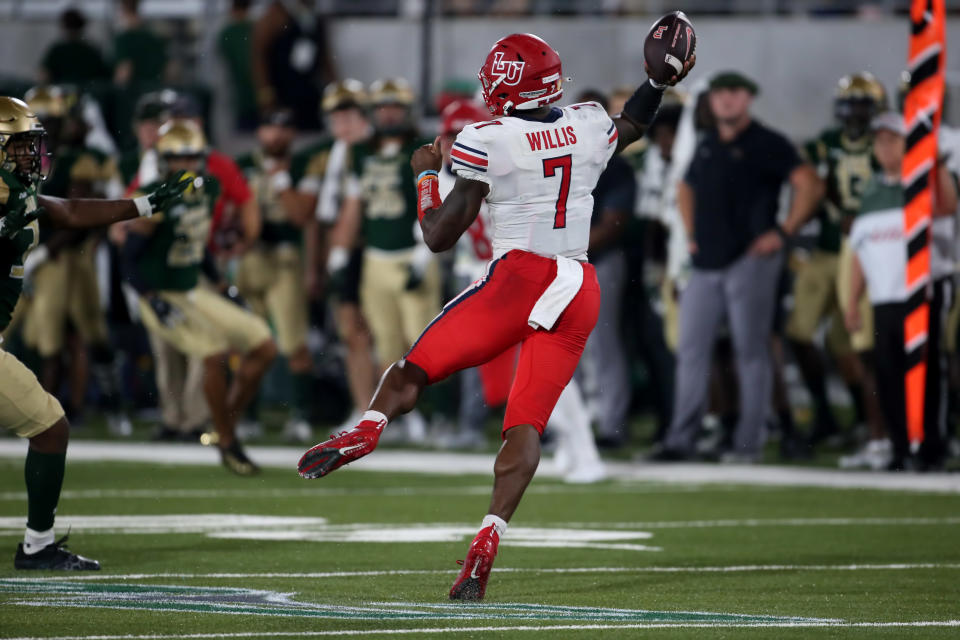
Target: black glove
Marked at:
169, 192
15, 220
168, 315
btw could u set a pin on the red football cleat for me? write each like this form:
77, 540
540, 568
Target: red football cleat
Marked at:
340, 450
471, 584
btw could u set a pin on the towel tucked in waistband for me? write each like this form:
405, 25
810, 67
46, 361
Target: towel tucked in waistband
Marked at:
558, 295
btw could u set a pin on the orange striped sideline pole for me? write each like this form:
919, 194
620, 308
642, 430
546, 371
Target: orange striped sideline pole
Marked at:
926, 61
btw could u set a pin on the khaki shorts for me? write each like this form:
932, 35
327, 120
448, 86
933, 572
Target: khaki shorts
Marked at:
271, 280
861, 340
396, 316
25, 407
671, 313
211, 324
814, 300
953, 322
65, 289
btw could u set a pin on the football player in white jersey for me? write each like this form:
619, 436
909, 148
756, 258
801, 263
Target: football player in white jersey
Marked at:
535, 166
489, 384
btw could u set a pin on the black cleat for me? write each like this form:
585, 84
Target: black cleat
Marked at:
53, 557
235, 459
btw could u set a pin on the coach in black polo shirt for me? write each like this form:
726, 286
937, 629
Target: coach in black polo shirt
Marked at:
729, 200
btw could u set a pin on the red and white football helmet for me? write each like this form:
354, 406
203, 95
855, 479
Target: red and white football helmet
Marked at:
460, 113
521, 72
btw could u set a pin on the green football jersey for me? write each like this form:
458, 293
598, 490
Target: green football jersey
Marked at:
389, 195
276, 228
846, 167
13, 253
172, 257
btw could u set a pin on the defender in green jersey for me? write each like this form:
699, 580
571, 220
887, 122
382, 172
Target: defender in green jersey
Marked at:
400, 282
25, 408
164, 257
843, 158
271, 274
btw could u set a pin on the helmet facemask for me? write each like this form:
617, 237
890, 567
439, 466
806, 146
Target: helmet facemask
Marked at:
25, 154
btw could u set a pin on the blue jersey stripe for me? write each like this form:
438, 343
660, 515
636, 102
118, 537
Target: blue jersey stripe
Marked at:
468, 165
470, 149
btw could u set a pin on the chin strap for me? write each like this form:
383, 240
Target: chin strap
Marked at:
428, 192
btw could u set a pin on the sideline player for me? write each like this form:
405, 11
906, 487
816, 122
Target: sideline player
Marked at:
270, 275
163, 260
536, 167
843, 158
25, 407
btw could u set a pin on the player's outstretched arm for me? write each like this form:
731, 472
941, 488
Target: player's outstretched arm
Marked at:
642, 106
443, 222
86, 213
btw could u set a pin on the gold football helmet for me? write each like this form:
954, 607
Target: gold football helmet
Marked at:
21, 139
52, 101
391, 91
857, 99
181, 138
344, 94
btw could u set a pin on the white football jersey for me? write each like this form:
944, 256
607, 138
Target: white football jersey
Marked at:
541, 175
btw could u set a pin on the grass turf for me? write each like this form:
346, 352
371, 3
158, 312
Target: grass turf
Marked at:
714, 567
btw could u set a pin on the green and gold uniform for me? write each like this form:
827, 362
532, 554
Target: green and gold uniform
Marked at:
169, 267
846, 167
65, 286
396, 307
271, 274
25, 407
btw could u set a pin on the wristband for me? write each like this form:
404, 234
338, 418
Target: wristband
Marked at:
281, 181
642, 106
144, 208
428, 193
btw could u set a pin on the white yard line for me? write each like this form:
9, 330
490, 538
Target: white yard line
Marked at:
501, 629
747, 568
447, 463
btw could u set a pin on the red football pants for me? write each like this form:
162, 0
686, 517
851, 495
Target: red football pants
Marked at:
491, 316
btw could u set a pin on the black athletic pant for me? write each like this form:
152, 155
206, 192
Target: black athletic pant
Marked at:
891, 368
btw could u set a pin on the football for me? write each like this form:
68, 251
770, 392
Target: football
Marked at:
670, 42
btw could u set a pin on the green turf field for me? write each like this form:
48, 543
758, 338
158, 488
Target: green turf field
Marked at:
192, 552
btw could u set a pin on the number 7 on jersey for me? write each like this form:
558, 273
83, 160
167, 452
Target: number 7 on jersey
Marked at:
550, 166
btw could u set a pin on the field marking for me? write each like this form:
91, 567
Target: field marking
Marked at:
500, 629
451, 463
765, 522
320, 492
747, 568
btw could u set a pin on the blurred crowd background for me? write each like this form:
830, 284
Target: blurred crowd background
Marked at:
267, 80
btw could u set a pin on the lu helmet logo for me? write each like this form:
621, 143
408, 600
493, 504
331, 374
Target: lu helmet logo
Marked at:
509, 71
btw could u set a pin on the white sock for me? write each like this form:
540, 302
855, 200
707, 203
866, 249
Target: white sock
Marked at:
34, 541
374, 416
499, 523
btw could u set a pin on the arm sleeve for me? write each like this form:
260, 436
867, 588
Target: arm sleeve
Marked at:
469, 155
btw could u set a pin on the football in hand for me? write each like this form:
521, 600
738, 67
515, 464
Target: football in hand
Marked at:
669, 44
